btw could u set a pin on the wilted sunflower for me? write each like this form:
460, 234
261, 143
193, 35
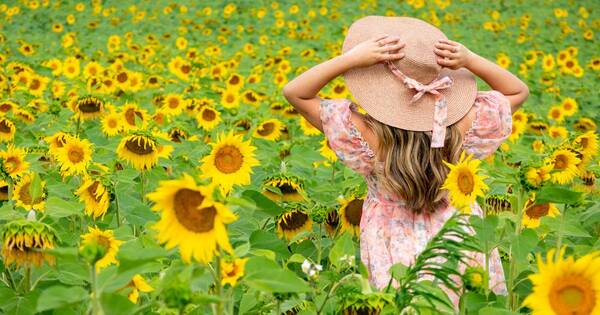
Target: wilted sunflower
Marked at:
585, 124
137, 285
534, 212
95, 196
230, 161
74, 156
103, 244
3, 190
350, 213
24, 243
13, 161
588, 144
564, 163
190, 219
269, 129
208, 118
112, 124
7, 130
331, 222
289, 186
463, 182
293, 222
140, 150
565, 286
588, 186
89, 107
537, 127
22, 194
494, 204
56, 142
232, 270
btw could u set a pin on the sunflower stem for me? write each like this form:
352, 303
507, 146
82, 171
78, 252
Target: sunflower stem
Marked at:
511, 301
561, 227
117, 206
218, 280
27, 280
142, 182
78, 126
96, 306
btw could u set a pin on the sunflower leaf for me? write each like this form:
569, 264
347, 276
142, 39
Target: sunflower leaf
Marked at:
556, 194
263, 203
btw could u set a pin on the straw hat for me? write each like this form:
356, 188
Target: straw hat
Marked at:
404, 93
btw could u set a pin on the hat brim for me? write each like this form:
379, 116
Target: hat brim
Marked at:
386, 98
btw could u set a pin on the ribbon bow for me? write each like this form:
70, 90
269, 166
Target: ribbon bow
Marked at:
440, 115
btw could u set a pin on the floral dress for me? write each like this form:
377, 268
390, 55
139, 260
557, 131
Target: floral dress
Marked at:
389, 232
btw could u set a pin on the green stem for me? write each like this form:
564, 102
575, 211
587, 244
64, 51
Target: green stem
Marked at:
319, 247
218, 282
143, 182
561, 228
118, 206
96, 306
511, 301
78, 126
27, 279
9, 278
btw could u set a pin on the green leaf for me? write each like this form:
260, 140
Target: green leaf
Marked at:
344, 246
59, 208
35, 188
495, 311
523, 244
265, 275
263, 203
556, 194
59, 296
398, 271
265, 240
113, 303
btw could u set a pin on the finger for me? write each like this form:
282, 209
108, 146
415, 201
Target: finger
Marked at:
446, 62
393, 56
446, 47
444, 53
380, 37
389, 48
390, 40
450, 42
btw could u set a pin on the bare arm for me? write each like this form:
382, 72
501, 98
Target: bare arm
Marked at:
455, 55
302, 91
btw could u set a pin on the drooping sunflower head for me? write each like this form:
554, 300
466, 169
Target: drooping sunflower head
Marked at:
292, 222
3, 190
191, 219
95, 195
565, 286
350, 213
13, 161
208, 118
495, 204
230, 161
587, 144
283, 188
564, 166
134, 117
56, 141
139, 150
100, 247
269, 129
74, 156
463, 182
28, 198
7, 130
537, 127
332, 222
138, 284
534, 212
588, 185
585, 124
232, 271
24, 242
89, 107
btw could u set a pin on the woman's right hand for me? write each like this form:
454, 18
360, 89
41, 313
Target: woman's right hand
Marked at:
451, 54
375, 50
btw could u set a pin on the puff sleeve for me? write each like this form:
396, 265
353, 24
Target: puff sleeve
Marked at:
492, 124
343, 137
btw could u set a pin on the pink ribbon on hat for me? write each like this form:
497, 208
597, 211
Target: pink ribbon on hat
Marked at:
440, 115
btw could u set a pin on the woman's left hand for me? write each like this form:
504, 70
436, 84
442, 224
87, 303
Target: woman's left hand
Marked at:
377, 49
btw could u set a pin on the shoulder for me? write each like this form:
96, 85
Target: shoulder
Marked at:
342, 112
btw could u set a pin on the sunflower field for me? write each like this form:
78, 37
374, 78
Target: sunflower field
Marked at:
149, 163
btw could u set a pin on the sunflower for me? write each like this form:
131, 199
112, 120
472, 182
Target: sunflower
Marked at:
463, 182
569, 106
232, 271
559, 132
350, 213
565, 286
495, 204
134, 117
535, 177
95, 196
290, 188
140, 150
208, 118
293, 222
24, 243
22, 193
585, 124
556, 113
190, 219
588, 186
307, 128
230, 161
7, 130
103, 244
137, 285
112, 124
56, 142
74, 156
13, 161
173, 104
269, 129
326, 151
538, 146
564, 166
230, 98
4, 189
588, 143
534, 212
332, 221
537, 127
89, 107
518, 128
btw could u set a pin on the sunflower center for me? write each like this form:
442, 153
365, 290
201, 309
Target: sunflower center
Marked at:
234, 80
186, 204
250, 97
287, 188
11, 164
186, 69
572, 295
555, 114
465, 182
5, 107
293, 220
230, 98
354, 211
229, 159
4, 126
35, 84
92, 189
75, 154
25, 197
112, 123
173, 103
122, 77
90, 106
208, 115
538, 211
139, 147
561, 162
339, 89
584, 142
130, 116
266, 129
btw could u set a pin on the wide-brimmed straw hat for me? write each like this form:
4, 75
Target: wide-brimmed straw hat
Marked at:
415, 92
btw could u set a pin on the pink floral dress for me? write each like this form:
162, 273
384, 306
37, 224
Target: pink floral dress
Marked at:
389, 232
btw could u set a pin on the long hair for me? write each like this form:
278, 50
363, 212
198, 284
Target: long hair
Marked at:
412, 170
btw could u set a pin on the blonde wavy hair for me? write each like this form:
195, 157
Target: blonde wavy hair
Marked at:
411, 169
